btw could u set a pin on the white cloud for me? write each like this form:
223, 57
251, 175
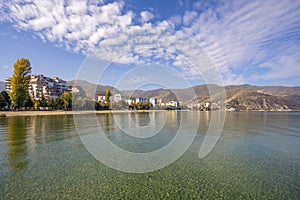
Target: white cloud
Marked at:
146, 16
230, 35
77, 7
289, 58
69, 23
189, 17
236, 32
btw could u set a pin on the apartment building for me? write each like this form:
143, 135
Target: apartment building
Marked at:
8, 85
43, 86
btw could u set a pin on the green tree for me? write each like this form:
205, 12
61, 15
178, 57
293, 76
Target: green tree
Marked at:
29, 103
107, 96
43, 102
20, 82
4, 100
67, 99
59, 103
51, 103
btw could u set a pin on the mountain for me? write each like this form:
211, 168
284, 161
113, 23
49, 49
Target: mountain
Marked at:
2, 86
244, 99
272, 90
240, 97
92, 89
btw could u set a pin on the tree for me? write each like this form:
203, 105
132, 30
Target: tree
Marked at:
20, 82
67, 99
51, 103
36, 104
43, 102
107, 98
4, 100
58, 103
29, 103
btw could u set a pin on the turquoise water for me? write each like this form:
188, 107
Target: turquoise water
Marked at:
256, 157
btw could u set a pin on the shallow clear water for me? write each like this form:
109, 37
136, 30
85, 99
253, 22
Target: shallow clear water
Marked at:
256, 157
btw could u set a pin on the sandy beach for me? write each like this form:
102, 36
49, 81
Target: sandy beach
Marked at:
61, 112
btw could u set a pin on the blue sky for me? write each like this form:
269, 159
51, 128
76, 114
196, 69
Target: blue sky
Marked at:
228, 42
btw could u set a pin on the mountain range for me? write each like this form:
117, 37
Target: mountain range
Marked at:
245, 97
248, 97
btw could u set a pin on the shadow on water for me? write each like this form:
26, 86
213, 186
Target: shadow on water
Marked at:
17, 148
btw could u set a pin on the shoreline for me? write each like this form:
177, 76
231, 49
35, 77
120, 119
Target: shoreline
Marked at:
61, 112
82, 112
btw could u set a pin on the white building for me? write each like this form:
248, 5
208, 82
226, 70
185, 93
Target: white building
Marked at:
207, 105
78, 91
130, 101
102, 98
118, 97
174, 104
42, 86
153, 101
140, 99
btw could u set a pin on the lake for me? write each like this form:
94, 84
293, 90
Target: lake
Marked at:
256, 157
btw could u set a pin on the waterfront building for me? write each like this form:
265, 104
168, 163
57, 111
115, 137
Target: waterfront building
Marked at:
142, 100
174, 104
43, 86
118, 97
153, 101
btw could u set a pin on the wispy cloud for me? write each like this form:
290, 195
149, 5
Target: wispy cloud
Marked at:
234, 36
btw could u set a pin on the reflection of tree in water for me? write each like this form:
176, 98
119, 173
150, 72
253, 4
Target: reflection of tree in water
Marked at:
52, 128
107, 122
17, 148
141, 119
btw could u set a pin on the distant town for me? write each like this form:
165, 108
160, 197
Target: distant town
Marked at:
44, 91
48, 93
24, 91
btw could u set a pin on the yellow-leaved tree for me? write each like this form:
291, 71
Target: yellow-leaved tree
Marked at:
20, 82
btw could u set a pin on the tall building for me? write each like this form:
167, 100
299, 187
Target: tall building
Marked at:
43, 86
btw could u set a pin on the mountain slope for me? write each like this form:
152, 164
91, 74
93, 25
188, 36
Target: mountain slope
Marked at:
92, 89
251, 100
247, 97
2, 86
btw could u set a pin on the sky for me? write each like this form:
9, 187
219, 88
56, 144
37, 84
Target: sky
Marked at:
223, 42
